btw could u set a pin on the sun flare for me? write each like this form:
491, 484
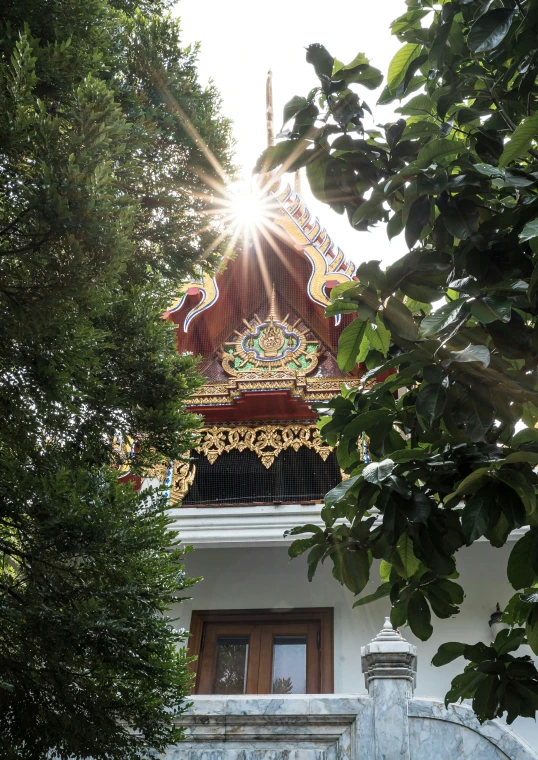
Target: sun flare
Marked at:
248, 205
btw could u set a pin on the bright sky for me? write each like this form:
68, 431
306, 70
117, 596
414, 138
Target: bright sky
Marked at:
242, 39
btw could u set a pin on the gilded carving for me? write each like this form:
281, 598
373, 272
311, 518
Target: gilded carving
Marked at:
177, 476
328, 261
267, 441
182, 480
207, 286
306, 388
270, 347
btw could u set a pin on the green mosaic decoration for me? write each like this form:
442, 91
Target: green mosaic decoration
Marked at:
270, 345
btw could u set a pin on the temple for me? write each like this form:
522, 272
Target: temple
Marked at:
268, 355
277, 654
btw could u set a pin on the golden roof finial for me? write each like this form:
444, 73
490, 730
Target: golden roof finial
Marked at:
269, 108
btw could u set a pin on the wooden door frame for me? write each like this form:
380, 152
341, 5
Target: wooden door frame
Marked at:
324, 615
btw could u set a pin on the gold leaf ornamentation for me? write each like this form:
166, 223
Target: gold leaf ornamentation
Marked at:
179, 475
182, 480
308, 389
270, 348
267, 441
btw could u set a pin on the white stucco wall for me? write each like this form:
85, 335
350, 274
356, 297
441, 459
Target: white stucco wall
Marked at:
259, 578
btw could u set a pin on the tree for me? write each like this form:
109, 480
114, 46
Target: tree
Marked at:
104, 189
458, 175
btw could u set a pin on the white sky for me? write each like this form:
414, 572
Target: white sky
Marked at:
242, 39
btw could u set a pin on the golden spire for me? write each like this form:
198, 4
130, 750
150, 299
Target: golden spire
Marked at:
269, 108
272, 310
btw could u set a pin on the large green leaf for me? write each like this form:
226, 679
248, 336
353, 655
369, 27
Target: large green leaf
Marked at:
430, 402
441, 319
368, 76
349, 344
315, 555
320, 58
476, 515
520, 571
380, 593
436, 150
366, 422
508, 640
408, 559
490, 308
400, 319
523, 456
300, 546
464, 685
420, 105
490, 29
521, 140
472, 353
419, 616
293, 107
378, 336
474, 414
341, 490
359, 60
377, 472
461, 216
527, 435
340, 306
447, 653
316, 172
286, 152
529, 231
474, 481
531, 629
310, 528
519, 483
409, 455
400, 63
485, 700
418, 218
355, 568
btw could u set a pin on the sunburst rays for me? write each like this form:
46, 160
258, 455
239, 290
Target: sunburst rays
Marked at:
239, 211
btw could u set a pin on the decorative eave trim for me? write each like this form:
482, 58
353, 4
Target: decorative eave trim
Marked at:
210, 293
327, 260
266, 441
308, 389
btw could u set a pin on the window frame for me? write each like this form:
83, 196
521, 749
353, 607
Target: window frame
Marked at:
320, 616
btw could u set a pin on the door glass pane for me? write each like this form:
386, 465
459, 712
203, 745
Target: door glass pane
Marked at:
231, 665
289, 665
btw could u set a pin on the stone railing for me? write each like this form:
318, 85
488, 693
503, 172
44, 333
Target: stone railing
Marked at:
387, 724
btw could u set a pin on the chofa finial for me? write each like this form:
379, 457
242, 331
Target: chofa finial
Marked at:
269, 108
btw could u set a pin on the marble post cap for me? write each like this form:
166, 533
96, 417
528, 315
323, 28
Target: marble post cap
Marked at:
389, 655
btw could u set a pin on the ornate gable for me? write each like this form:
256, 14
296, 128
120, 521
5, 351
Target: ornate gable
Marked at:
271, 353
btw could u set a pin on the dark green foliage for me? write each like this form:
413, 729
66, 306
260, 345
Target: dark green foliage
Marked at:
458, 175
89, 575
101, 216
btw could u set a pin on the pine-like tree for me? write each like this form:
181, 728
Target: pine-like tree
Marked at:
102, 213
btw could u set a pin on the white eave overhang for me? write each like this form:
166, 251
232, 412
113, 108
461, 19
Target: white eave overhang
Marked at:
231, 527
236, 527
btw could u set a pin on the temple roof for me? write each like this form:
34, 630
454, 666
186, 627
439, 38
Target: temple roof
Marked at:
268, 350
297, 257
